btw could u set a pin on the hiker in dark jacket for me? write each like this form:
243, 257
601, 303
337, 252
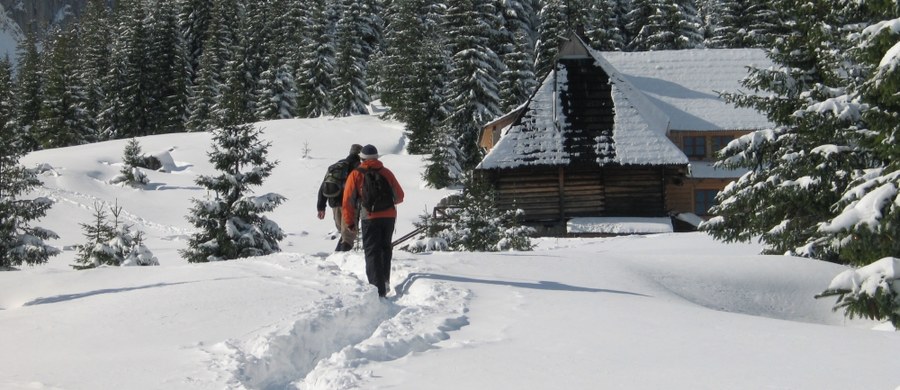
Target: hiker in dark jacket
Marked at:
377, 226
347, 235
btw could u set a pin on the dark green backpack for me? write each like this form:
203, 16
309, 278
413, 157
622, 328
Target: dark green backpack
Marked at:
335, 177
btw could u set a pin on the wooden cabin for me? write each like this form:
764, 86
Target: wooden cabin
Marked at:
609, 136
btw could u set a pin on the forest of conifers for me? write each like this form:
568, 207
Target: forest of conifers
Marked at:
150, 66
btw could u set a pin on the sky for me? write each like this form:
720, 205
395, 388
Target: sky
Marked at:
673, 311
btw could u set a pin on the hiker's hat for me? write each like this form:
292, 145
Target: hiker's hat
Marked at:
368, 152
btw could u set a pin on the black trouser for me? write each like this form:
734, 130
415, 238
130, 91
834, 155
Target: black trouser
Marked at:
377, 234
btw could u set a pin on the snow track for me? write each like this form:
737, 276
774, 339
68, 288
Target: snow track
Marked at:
334, 344
87, 202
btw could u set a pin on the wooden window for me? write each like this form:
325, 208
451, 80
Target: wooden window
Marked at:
704, 200
694, 147
720, 141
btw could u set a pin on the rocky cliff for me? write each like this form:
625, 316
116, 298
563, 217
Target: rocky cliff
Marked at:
36, 15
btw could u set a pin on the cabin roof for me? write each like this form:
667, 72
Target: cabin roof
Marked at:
652, 93
685, 84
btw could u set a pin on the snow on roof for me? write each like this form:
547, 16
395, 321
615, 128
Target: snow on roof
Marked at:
536, 138
685, 84
653, 92
639, 131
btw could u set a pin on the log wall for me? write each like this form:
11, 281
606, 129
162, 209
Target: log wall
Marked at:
555, 194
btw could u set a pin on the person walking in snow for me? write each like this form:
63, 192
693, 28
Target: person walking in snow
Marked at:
331, 192
376, 190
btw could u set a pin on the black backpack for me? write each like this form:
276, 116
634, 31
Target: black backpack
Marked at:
335, 177
377, 194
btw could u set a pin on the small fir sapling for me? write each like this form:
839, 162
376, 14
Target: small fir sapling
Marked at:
132, 160
112, 243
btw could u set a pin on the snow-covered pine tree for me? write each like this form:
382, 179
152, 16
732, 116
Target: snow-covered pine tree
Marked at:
93, 63
517, 81
276, 97
63, 119
412, 46
209, 86
515, 47
194, 18
602, 28
798, 169
864, 232
743, 23
236, 104
477, 225
28, 86
139, 254
131, 86
97, 251
316, 62
168, 75
20, 243
442, 168
638, 16
231, 224
276, 90
111, 243
132, 160
673, 25
553, 28
351, 94
471, 96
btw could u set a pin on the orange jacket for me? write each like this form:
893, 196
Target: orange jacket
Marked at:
353, 188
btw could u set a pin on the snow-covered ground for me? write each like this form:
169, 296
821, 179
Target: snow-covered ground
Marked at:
673, 311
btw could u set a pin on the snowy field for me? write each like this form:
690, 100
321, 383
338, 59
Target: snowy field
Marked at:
663, 311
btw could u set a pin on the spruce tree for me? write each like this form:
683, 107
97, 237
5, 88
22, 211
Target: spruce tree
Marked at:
864, 232
602, 28
554, 27
471, 95
799, 168
230, 224
63, 119
28, 86
443, 167
412, 46
671, 25
276, 97
132, 160
94, 32
168, 74
351, 94
20, 242
743, 23
316, 63
97, 251
216, 63
194, 18
517, 82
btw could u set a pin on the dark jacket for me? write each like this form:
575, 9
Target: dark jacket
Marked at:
336, 201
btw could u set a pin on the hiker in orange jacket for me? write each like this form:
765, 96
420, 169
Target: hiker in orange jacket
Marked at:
377, 226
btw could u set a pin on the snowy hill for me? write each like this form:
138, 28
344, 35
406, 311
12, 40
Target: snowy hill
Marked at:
674, 311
